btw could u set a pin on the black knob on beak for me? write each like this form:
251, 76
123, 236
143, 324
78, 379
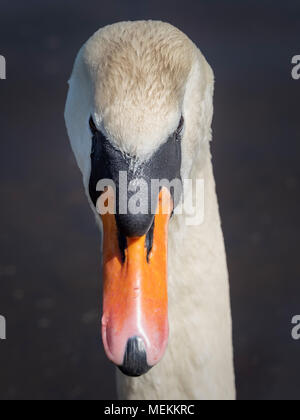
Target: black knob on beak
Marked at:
134, 226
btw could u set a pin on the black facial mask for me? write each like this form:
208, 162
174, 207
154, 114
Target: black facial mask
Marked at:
107, 162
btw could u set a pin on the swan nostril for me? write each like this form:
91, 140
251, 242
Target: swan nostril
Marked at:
122, 245
135, 359
149, 241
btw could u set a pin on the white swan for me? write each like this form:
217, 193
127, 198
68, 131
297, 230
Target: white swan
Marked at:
132, 84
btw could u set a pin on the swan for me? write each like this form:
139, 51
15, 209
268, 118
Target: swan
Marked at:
140, 103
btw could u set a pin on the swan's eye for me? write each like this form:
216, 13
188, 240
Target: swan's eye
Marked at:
93, 127
180, 127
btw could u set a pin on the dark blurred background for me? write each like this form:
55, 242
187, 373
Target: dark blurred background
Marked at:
49, 245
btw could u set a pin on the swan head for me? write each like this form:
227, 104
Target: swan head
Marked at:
138, 115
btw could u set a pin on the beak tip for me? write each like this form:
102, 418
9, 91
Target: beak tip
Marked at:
135, 359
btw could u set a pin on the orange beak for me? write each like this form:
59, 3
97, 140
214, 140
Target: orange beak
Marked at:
135, 308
